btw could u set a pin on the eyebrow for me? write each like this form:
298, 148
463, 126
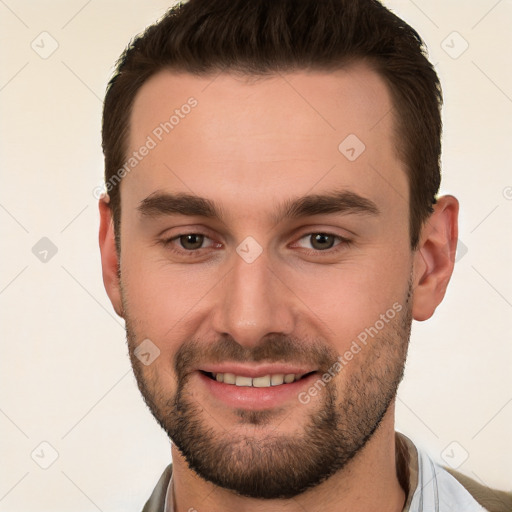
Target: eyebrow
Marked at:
335, 202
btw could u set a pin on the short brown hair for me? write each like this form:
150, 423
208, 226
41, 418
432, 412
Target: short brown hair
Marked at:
264, 37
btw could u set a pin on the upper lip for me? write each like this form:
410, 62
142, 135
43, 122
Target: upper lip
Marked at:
256, 371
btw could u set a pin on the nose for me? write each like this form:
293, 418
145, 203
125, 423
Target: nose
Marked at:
254, 302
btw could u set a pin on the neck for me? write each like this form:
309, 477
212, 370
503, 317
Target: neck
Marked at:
368, 482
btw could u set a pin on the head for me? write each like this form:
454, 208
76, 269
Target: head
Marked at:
272, 170
322, 36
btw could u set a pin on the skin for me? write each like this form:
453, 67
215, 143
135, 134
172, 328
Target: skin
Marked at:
248, 146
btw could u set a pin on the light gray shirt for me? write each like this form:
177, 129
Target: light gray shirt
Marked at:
431, 488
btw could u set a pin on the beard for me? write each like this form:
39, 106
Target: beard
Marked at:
263, 462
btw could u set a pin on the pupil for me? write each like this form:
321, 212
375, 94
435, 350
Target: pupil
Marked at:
321, 239
191, 242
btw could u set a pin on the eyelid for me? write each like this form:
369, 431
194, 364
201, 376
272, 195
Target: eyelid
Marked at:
309, 235
312, 228
342, 241
167, 241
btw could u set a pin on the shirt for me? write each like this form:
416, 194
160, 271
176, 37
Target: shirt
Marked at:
428, 486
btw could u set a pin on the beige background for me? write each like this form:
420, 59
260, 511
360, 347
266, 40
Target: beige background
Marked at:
66, 378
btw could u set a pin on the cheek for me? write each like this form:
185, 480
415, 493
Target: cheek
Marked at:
161, 298
349, 298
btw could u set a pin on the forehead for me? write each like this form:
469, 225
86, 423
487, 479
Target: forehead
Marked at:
250, 139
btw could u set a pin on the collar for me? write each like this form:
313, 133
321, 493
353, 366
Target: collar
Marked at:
427, 486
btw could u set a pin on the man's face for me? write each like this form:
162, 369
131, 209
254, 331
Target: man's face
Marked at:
265, 290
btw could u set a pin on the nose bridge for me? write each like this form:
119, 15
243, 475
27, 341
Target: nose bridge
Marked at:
253, 302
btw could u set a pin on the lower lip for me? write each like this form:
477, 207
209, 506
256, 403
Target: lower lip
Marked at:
248, 397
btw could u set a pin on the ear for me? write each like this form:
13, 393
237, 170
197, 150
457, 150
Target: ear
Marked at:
435, 258
109, 256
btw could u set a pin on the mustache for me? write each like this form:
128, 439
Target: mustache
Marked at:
272, 349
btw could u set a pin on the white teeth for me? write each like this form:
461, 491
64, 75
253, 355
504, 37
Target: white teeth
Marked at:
261, 382
229, 378
276, 380
257, 382
243, 381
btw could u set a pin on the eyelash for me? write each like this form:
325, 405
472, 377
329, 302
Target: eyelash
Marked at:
191, 253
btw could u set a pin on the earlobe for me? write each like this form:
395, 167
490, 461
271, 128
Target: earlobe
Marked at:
435, 258
109, 256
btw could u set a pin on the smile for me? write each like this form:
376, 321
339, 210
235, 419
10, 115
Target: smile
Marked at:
265, 381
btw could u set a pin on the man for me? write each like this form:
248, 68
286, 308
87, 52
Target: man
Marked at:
271, 229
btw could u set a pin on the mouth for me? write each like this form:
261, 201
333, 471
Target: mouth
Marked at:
262, 390
263, 381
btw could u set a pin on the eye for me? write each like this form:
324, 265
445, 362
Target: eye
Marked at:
189, 243
193, 244
321, 241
